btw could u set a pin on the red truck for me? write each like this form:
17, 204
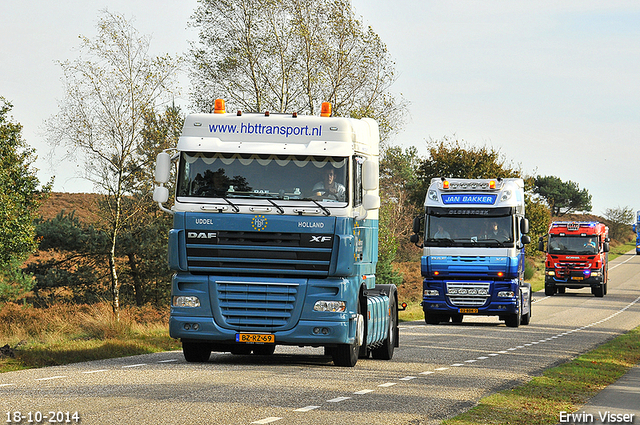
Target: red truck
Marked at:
577, 257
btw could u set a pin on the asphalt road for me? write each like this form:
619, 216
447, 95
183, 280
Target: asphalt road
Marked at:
438, 372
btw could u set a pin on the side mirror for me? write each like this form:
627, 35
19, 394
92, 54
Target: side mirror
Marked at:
163, 167
525, 239
160, 194
524, 225
370, 175
371, 202
541, 244
605, 247
417, 224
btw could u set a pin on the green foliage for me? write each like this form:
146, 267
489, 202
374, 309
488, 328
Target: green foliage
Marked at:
453, 158
19, 201
562, 197
289, 56
78, 266
620, 220
539, 219
398, 180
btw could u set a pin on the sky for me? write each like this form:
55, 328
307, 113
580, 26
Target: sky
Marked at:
553, 85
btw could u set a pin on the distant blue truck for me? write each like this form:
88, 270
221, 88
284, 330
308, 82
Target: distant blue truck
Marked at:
636, 228
473, 235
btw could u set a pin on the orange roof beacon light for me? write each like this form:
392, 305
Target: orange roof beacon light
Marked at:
445, 184
492, 184
325, 110
218, 107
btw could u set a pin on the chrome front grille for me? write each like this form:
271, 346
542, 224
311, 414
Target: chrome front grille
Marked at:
468, 294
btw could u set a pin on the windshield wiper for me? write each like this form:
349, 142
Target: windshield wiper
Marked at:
280, 210
235, 208
323, 208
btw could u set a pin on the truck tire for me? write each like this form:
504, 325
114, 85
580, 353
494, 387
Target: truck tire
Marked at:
195, 352
598, 291
346, 355
514, 320
526, 318
385, 351
435, 319
549, 290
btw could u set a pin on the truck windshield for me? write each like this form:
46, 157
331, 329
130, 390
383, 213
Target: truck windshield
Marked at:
584, 245
283, 177
469, 230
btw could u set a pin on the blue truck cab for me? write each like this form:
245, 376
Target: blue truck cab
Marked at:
473, 235
275, 236
636, 229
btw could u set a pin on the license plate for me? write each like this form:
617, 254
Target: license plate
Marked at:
256, 338
467, 310
577, 278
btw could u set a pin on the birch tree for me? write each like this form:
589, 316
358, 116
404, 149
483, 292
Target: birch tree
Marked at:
290, 56
108, 89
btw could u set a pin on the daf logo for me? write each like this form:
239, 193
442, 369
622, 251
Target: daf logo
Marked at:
320, 239
202, 235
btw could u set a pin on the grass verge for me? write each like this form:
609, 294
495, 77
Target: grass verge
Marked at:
564, 388
65, 334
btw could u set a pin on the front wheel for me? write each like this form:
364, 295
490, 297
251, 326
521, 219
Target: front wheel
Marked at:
514, 320
346, 355
195, 352
549, 290
526, 318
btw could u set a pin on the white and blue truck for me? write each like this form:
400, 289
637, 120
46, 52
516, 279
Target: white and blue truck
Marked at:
473, 235
275, 236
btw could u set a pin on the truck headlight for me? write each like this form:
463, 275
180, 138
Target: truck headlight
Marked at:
334, 306
431, 293
551, 273
596, 273
186, 301
506, 294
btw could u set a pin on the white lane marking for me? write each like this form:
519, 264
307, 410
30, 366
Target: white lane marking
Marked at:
441, 368
482, 358
456, 365
6, 385
470, 361
266, 420
429, 372
363, 392
96, 371
50, 377
135, 365
167, 361
407, 378
338, 399
388, 384
306, 409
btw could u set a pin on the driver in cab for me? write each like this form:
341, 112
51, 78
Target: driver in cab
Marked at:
329, 188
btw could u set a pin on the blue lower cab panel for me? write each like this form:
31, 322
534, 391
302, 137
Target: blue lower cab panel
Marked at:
305, 334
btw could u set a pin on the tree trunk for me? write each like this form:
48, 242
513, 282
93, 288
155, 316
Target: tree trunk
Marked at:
115, 285
137, 282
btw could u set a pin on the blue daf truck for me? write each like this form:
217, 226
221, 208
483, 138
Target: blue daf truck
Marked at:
473, 235
275, 236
